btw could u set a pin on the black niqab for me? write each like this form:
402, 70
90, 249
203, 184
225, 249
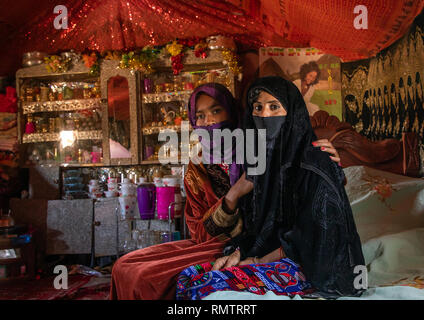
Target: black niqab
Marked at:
265, 219
300, 203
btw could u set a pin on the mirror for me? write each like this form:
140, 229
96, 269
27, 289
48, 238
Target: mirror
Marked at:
119, 117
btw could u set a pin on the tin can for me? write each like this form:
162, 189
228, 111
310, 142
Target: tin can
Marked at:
44, 93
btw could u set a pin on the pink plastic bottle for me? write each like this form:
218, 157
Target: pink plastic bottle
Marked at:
165, 196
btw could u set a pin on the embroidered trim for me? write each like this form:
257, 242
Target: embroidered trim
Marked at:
223, 219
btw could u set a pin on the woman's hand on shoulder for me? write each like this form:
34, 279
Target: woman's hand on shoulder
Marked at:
238, 190
327, 146
243, 185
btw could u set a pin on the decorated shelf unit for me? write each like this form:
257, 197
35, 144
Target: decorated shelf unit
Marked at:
165, 94
59, 116
77, 119
77, 125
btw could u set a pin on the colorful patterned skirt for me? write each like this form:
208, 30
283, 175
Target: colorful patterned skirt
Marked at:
283, 277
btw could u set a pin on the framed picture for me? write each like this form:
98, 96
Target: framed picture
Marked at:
316, 75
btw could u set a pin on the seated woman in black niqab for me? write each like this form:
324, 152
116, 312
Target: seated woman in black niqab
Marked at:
298, 208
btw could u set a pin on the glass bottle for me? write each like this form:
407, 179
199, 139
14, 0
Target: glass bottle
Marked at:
79, 156
185, 114
30, 126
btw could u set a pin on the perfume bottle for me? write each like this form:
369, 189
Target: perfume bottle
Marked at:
30, 125
79, 156
56, 155
185, 115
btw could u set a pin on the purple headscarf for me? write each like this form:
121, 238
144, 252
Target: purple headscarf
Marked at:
221, 94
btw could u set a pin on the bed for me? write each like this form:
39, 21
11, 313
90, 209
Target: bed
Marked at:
387, 199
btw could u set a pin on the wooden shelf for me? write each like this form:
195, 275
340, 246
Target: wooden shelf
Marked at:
24, 277
157, 161
166, 96
155, 130
11, 261
6, 244
82, 165
62, 105
78, 70
138, 218
150, 162
55, 136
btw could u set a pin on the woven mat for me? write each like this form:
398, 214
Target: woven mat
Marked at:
80, 287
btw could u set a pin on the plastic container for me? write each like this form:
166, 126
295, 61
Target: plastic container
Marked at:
146, 198
165, 196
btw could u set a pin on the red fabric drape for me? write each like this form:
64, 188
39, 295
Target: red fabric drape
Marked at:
329, 24
124, 24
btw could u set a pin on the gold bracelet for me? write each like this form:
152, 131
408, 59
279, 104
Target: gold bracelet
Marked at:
255, 260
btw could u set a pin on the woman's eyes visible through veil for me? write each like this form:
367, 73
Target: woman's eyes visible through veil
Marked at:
267, 105
257, 107
266, 110
217, 110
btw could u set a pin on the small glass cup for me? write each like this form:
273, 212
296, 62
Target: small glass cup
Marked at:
148, 85
129, 244
158, 88
165, 236
169, 87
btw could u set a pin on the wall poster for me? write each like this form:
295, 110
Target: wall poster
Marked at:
316, 75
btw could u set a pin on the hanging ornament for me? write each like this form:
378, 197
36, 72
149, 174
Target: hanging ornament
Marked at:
174, 48
113, 55
92, 62
123, 64
230, 58
140, 61
190, 42
200, 50
176, 62
137, 60
176, 51
55, 63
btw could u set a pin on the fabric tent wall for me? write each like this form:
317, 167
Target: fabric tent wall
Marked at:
383, 96
125, 24
329, 24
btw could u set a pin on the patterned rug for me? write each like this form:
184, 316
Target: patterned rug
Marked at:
80, 287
